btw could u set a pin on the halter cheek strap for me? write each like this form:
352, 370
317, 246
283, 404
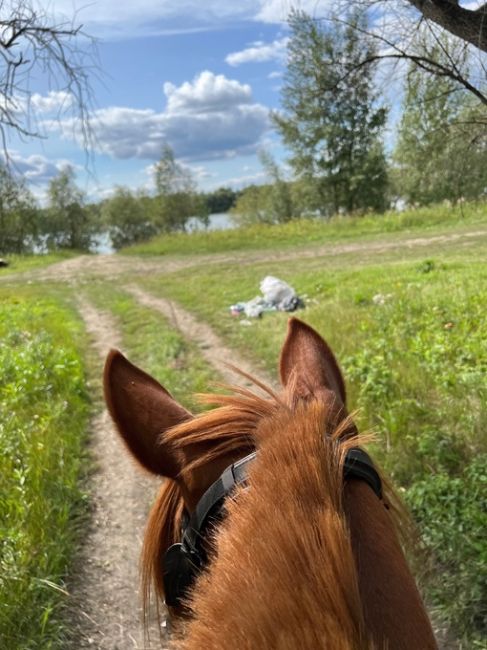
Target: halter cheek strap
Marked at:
183, 561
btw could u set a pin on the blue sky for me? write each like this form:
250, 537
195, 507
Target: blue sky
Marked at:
201, 76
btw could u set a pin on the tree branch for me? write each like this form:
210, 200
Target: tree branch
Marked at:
469, 25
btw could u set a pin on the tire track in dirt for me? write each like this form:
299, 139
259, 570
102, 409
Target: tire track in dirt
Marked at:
104, 607
212, 348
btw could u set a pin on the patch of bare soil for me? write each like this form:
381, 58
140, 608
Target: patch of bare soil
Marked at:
104, 608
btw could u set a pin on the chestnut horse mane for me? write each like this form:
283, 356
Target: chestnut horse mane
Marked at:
312, 553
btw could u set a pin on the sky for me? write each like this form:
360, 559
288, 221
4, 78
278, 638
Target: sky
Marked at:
200, 76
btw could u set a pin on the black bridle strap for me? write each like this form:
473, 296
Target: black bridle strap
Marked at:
209, 504
183, 561
357, 465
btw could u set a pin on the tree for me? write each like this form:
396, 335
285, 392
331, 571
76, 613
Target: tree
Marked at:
33, 45
18, 215
66, 222
440, 154
333, 121
467, 24
252, 205
220, 200
176, 197
280, 204
402, 33
127, 219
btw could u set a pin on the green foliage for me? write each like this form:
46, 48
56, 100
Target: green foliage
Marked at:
221, 200
451, 513
332, 121
280, 203
253, 206
298, 232
44, 409
440, 152
126, 218
18, 215
66, 222
176, 200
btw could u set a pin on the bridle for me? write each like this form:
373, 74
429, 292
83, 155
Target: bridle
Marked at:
183, 561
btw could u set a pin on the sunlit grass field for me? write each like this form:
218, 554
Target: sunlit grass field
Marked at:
306, 231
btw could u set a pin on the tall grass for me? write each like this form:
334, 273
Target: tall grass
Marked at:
304, 231
44, 408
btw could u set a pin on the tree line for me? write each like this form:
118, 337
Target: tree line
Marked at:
333, 122
70, 221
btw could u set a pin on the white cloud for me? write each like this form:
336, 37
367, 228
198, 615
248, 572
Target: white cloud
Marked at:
260, 52
115, 19
274, 75
209, 118
207, 92
53, 102
36, 168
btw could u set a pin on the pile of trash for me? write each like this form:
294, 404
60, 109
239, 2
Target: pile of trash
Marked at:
277, 295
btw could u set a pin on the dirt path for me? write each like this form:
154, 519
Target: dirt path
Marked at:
111, 266
105, 607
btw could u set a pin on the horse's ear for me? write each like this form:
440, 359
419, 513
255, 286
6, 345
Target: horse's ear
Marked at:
142, 410
307, 360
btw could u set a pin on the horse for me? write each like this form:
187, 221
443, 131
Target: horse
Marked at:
273, 529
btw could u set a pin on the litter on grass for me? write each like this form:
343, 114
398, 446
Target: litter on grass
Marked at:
277, 295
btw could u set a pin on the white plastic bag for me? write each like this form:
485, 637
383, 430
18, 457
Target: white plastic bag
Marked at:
277, 292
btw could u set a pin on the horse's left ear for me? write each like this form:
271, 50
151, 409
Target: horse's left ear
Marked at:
308, 360
143, 410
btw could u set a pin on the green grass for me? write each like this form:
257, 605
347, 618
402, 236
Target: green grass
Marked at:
19, 263
44, 406
303, 232
416, 370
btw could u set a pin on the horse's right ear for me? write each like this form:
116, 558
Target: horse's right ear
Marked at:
307, 358
142, 411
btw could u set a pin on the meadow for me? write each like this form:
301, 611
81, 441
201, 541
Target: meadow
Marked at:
407, 325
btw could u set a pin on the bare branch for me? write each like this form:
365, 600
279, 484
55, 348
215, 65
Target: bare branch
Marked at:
33, 45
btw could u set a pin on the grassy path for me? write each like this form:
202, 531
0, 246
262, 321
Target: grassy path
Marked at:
110, 267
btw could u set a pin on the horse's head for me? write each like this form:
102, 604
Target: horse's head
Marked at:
299, 510
193, 451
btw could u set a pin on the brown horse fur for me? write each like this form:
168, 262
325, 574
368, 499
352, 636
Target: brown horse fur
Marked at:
301, 561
